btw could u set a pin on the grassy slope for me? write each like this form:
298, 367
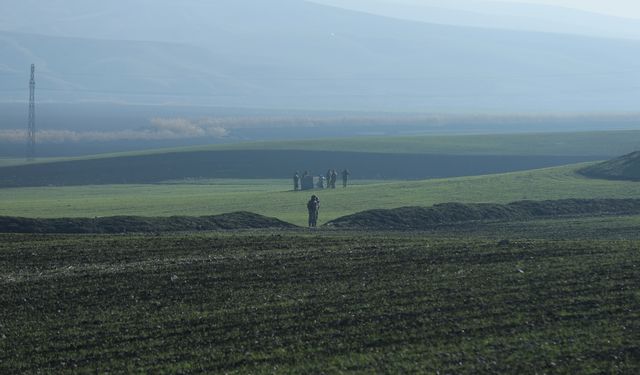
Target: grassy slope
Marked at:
8, 162
272, 198
601, 143
577, 143
626, 167
317, 304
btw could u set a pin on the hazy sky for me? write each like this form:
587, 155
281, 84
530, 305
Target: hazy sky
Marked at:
624, 8
621, 8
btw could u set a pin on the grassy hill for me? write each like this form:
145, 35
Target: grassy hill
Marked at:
6, 162
594, 143
257, 164
274, 198
407, 157
626, 167
577, 143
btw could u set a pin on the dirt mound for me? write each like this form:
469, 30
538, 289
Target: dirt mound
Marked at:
626, 167
422, 218
128, 224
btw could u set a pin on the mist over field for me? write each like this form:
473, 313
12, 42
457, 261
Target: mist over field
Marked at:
68, 129
286, 54
135, 65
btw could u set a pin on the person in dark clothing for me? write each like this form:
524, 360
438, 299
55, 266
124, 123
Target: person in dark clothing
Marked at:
345, 177
296, 181
334, 177
313, 206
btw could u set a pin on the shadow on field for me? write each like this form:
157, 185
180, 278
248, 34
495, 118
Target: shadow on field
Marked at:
259, 164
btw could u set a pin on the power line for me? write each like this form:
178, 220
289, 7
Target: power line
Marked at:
624, 72
566, 90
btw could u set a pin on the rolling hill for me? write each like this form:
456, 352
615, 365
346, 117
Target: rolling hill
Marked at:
274, 198
265, 164
587, 143
407, 157
626, 167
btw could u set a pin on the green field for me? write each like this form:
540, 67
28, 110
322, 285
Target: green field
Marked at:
332, 303
274, 198
7, 162
598, 143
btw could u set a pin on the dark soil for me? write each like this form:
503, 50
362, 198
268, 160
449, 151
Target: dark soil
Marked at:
332, 303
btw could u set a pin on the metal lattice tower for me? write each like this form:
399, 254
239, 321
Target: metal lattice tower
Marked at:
31, 129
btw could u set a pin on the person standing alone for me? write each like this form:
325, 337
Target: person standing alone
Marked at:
345, 177
313, 206
296, 181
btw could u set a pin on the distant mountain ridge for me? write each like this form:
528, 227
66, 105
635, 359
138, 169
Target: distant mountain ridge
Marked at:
500, 15
188, 21
299, 55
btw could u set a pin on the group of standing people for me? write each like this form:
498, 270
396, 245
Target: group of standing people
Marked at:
328, 181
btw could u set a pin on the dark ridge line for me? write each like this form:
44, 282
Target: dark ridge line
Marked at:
425, 218
623, 168
139, 224
403, 218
